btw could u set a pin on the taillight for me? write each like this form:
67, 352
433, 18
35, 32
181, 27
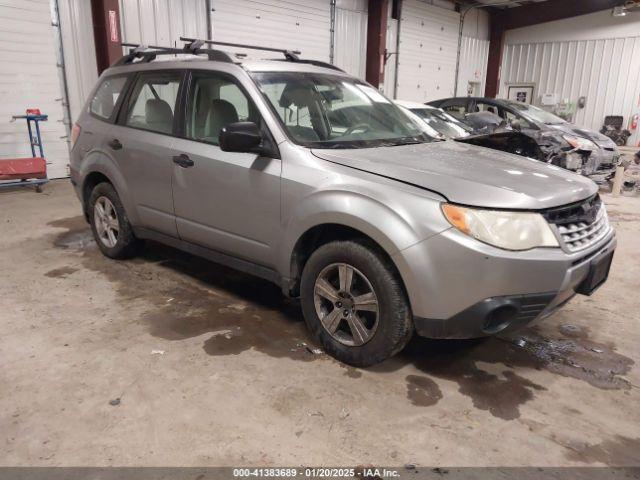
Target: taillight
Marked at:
75, 134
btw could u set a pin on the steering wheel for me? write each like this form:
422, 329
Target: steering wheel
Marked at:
364, 126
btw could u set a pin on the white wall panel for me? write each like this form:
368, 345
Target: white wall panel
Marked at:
428, 51
29, 79
303, 25
605, 71
391, 65
162, 22
79, 52
350, 51
474, 54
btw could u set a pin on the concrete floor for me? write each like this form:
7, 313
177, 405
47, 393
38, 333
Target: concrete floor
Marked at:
211, 367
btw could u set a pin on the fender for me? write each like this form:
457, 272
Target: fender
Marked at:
358, 210
99, 160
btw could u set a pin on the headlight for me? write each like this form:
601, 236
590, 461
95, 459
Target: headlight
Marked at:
580, 143
508, 230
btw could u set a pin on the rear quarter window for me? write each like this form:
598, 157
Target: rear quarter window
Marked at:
106, 97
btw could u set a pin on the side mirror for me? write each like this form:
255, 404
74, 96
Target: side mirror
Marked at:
242, 137
516, 125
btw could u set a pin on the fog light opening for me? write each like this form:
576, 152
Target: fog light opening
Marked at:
499, 318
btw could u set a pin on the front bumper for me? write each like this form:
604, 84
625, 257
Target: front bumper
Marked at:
461, 288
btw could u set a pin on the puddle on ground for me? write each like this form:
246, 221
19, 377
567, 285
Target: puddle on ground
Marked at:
62, 272
193, 297
422, 391
618, 451
238, 312
78, 235
571, 354
574, 355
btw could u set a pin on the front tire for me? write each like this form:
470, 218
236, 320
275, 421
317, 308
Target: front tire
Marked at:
110, 225
354, 303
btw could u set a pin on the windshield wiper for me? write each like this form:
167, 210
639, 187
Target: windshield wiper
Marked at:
401, 142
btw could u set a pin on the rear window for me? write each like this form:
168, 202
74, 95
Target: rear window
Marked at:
106, 97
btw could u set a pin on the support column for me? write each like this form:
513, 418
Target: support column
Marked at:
376, 41
106, 32
496, 46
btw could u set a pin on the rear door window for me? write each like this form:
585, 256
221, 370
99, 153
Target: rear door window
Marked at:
152, 104
104, 101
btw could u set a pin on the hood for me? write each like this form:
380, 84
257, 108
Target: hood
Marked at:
598, 138
470, 175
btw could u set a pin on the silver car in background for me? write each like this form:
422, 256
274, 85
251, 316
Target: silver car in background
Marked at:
565, 144
306, 176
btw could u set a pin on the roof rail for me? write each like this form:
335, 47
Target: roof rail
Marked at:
148, 53
291, 55
317, 63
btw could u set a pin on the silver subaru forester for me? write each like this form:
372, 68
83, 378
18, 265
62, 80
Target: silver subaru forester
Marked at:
294, 171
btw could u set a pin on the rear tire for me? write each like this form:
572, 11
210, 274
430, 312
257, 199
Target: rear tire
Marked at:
110, 225
354, 303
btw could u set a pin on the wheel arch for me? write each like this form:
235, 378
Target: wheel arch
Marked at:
321, 234
89, 183
97, 167
339, 214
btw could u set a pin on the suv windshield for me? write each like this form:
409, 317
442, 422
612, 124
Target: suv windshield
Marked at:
330, 111
536, 114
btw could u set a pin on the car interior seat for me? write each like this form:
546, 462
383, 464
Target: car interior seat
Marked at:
158, 115
221, 114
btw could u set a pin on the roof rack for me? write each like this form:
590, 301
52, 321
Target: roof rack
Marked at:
148, 53
317, 63
193, 46
289, 55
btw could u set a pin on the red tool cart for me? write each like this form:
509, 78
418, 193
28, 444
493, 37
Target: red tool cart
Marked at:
30, 170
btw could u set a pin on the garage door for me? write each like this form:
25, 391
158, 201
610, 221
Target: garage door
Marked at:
427, 51
303, 25
162, 22
29, 78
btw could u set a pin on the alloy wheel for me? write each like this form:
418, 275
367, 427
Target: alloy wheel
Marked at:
106, 222
346, 304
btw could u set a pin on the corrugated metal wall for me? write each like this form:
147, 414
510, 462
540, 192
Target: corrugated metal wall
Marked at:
162, 22
303, 25
29, 78
428, 51
79, 51
350, 51
474, 55
605, 71
390, 67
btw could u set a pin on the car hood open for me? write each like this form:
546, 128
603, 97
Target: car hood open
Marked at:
469, 175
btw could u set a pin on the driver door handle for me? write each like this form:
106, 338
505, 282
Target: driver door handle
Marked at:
183, 160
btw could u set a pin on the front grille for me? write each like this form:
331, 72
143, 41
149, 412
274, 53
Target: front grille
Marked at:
581, 225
